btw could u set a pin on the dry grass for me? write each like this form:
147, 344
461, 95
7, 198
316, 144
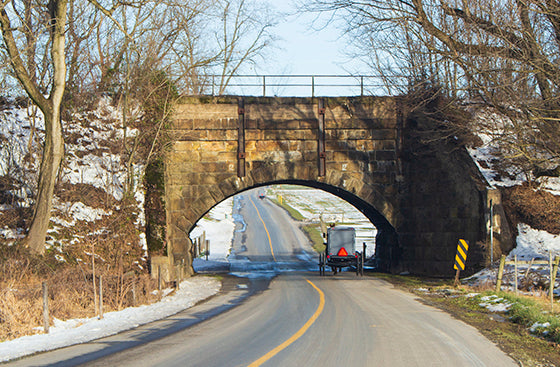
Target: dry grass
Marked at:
70, 294
537, 208
68, 270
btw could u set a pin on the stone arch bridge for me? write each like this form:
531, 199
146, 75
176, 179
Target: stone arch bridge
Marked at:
421, 197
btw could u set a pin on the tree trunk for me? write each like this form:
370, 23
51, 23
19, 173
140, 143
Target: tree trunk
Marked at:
52, 157
54, 144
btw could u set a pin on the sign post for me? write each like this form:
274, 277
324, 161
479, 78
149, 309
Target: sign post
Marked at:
460, 258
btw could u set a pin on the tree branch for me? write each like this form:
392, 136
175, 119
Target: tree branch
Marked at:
18, 64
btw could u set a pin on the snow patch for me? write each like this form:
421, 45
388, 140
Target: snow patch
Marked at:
76, 331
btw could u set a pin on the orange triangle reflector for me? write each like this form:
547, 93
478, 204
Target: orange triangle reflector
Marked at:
342, 252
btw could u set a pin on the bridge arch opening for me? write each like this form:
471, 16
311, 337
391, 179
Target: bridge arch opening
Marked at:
317, 201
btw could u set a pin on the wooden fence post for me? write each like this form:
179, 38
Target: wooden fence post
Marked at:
515, 274
178, 276
45, 308
553, 281
134, 293
555, 269
500, 273
100, 296
159, 281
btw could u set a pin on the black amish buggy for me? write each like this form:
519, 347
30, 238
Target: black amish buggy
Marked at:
340, 251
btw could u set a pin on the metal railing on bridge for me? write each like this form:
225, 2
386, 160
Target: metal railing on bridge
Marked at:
302, 85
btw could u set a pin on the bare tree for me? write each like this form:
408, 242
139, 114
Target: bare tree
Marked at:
53, 150
46, 43
502, 52
40, 25
245, 35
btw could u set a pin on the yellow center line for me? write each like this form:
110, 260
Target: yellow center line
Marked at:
266, 229
299, 333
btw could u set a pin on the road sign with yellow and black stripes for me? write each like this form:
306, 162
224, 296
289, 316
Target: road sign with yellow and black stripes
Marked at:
461, 257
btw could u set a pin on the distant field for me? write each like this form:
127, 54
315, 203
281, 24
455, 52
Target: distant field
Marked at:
313, 204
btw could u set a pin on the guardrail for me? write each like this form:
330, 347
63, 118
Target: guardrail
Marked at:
302, 85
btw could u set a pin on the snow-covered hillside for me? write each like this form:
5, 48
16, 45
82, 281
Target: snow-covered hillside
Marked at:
530, 242
93, 162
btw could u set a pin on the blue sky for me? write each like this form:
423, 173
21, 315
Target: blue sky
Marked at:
304, 50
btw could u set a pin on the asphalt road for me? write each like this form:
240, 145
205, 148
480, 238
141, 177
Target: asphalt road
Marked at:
297, 319
271, 239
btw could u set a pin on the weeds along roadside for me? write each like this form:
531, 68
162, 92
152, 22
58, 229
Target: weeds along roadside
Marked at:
313, 233
70, 291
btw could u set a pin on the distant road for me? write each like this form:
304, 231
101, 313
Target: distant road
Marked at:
298, 319
271, 238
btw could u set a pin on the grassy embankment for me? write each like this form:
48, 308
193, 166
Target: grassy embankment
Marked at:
312, 231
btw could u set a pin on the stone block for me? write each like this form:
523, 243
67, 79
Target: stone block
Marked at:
383, 134
211, 167
336, 146
385, 155
281, 112
161, 265
263, 173
214, 146
204, 203
289, 135
363, 145
184, 224
251, 123
210, 156
209, 111
350, 134
309, 124
340, 157
254, 135
350, 166
271, 146
230, 146
301, 172
278, 124
228, 123
184, 146
182, 156
216, 194
310, 156
217, 135
250, 145
176, 204
190, 191
181, 244
182, 123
